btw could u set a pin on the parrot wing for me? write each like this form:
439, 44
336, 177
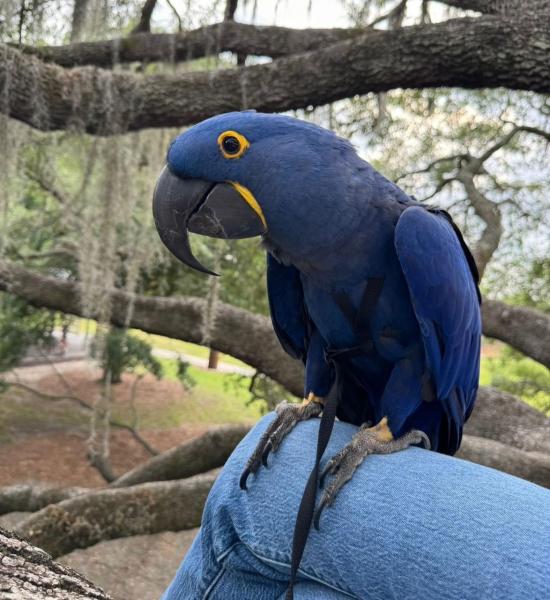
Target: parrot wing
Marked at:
287, 307
442, 279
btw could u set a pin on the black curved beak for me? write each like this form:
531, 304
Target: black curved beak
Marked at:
220, 210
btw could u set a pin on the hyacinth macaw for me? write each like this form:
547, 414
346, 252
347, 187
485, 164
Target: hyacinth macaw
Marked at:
376, 293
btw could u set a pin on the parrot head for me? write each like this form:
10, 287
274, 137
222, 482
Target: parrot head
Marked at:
246, 174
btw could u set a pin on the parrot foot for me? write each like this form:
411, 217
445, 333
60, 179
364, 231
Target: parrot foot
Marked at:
287, 417
368, 440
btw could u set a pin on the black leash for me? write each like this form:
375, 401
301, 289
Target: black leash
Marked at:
359, 321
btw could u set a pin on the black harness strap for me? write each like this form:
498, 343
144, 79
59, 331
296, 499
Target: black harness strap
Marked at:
359, 322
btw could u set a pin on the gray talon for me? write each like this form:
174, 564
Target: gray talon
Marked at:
342, 465
287, 417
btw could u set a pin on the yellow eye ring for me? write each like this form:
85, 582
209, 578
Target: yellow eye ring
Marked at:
232, 144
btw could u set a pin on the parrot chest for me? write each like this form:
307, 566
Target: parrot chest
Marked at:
392, 324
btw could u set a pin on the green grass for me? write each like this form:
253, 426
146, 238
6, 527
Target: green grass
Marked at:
519, 375
164, 343
216, 398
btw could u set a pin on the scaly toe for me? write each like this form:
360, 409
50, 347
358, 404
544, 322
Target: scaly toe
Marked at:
287, 417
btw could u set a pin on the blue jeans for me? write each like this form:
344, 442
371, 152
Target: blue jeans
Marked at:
410, 525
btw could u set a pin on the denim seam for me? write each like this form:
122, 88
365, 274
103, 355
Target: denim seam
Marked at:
219, 560
227, 551
212, 585
300, 571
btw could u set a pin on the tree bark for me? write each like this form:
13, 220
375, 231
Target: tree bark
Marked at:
144, 24
525, 329
228, 36
78, 21
240, 333
533, 466
230, 9
213, 358
485, 52
148, 508
28, 573
29, 497
495, 7
208, 451
107, 514
503, 418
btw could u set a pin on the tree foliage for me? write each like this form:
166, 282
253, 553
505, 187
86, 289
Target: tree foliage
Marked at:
22, 326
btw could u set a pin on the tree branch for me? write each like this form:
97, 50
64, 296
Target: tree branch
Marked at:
27, 497
498, 416
525, 329
82, 521
149, 508
204, 453
28, 572
501, 417
230, 8
145, 17
471, 53
227, 36
240, 333
494, 7
488, 212
533, 466
467, 167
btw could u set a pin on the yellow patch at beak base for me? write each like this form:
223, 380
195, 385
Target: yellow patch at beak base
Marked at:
248, 197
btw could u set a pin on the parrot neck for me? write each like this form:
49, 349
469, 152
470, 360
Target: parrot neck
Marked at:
349, 252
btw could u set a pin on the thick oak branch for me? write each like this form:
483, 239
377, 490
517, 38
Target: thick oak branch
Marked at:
243, 334
495, 7
472, 53
29, 572
207, 452
238, 332
228, 36
525, 329
28, 497
533, 466
175, 505
108, 514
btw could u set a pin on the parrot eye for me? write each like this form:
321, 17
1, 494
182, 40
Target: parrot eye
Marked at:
232, 144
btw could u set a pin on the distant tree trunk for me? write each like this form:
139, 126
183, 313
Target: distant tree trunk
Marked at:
145, 17
28, 572
213, 359
78, 22
230, 8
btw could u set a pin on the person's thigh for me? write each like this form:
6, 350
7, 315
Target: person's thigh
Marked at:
414, 524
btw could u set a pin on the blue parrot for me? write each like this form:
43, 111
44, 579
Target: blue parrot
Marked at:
376, 293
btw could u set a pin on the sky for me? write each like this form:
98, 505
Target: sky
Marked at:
290, 13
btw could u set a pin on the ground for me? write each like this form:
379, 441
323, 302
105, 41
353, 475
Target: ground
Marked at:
45, 440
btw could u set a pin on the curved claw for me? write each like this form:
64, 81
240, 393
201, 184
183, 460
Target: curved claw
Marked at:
424, 439
265, 453
287, 417
243, 478
317, 514
323, 475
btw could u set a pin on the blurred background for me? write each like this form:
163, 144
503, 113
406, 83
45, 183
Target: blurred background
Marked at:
112, 352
